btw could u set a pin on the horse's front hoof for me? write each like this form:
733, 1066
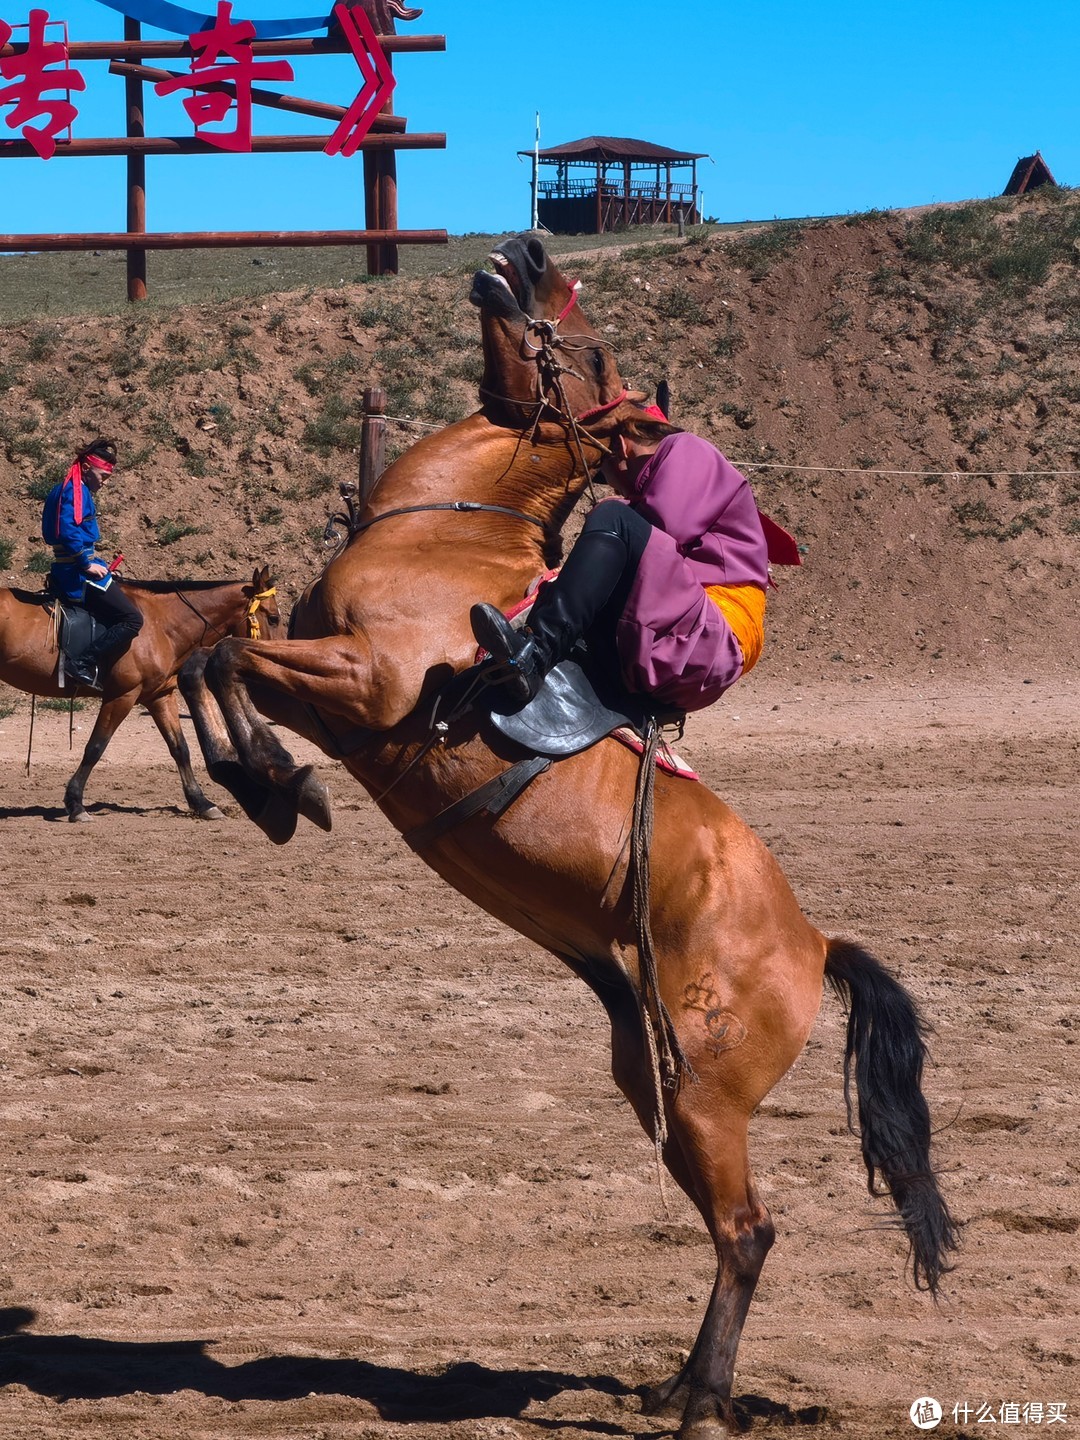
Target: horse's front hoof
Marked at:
313, 798
78, 817
210, 813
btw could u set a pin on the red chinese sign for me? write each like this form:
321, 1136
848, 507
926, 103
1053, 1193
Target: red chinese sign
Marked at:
230, 41
378, 83
223, 60
32, 78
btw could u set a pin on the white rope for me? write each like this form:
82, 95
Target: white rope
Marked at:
417, 424
820, 469
863, 470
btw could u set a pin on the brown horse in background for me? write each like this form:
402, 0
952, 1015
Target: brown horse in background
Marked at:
179, 616
475, 512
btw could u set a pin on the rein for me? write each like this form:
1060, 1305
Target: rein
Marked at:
549, 373
253, 628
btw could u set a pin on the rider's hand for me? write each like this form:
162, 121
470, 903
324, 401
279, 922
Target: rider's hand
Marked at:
96, 570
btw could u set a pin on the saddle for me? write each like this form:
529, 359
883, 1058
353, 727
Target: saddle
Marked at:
570, 712
76, 630
573, 710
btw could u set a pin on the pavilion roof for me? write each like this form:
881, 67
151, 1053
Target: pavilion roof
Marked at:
613, 147
1028, 172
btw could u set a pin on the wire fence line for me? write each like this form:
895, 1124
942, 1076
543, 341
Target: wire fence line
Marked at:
871, 470
409, 420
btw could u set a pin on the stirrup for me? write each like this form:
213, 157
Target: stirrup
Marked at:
513, 661
87, 675
494, 633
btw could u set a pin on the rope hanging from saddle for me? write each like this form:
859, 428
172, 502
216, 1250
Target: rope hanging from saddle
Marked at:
668, 1063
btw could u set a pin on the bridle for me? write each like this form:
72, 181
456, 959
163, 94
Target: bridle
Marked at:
550, 369
543, 340
253, 628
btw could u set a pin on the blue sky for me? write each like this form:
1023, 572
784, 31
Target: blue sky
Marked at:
805, 110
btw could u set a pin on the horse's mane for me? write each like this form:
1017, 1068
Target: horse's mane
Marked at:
166, 587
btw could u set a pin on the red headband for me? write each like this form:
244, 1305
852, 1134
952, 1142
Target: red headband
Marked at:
97, 463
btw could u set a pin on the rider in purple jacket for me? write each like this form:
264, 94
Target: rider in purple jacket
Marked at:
671, 578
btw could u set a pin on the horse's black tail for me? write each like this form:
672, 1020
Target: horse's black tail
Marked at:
885, 1042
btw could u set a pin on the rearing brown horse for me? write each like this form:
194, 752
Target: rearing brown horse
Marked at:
474, 512
178, 617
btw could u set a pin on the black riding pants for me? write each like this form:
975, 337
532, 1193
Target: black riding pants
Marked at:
592, 588
123, 617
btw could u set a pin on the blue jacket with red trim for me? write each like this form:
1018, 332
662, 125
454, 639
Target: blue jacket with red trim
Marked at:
69, 525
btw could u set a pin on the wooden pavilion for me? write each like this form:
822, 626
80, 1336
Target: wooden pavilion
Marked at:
605, 183
1029, 172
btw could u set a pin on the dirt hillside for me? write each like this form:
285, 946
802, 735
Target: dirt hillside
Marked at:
939, 342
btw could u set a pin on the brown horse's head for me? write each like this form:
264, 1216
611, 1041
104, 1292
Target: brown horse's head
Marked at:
540, 353
263, 618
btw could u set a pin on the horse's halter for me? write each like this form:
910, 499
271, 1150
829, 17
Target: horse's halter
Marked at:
543, 340
550, 369
254, 632
252, 617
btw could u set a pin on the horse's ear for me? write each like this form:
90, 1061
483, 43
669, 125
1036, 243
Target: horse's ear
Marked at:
255, 580
266, 580
663, 396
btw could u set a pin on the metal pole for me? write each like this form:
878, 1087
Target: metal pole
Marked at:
536, 177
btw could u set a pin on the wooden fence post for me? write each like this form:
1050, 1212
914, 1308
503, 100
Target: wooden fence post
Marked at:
136, 174
372, 441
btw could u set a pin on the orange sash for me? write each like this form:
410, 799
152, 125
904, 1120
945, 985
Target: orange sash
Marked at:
743, 607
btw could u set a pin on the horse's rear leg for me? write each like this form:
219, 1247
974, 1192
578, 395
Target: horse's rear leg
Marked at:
220, 755
297, 787
706, 1153
165, 712
109, 719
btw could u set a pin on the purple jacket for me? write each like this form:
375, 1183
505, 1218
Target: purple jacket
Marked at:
673, 641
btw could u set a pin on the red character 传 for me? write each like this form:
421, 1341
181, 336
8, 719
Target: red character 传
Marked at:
232, 40
32, 79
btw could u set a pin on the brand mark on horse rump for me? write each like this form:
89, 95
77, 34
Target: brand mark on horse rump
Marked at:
724, 1028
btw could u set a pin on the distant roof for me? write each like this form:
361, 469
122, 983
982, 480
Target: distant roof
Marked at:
612, 147
1028, 173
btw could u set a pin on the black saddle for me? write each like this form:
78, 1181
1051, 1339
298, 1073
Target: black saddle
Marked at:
77, 630
573, 710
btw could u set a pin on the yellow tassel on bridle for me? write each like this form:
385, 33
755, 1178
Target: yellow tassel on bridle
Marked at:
254, 632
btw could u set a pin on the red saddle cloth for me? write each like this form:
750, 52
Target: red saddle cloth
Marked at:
666, 758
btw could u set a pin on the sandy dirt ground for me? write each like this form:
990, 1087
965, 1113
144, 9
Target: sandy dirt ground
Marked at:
297, 1144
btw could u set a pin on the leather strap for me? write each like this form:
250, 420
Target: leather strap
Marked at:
467, 506
492, 798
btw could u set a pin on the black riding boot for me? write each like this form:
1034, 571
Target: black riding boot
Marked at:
603, 561
124, 619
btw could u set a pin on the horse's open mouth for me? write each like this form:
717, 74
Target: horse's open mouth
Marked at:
510, 291
500, 293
